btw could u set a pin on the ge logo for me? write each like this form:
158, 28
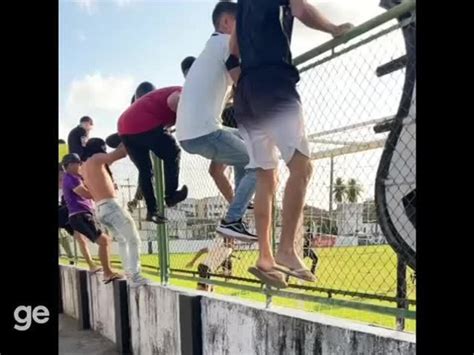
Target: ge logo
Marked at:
25, 314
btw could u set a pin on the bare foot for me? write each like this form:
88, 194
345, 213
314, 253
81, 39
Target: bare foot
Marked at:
290, 260
266, 264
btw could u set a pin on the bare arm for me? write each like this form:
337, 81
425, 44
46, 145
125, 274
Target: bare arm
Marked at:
82, 191
173, 101
197, 256
235, 51
313, 18
109, 158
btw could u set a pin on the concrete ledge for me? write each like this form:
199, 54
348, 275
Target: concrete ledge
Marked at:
69, 286
154, 320
232, 327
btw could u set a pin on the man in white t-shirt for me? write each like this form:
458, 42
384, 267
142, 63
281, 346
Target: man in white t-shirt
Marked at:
198, 127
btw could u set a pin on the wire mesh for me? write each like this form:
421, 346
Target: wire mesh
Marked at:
358, 227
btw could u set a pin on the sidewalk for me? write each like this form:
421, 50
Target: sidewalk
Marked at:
79, 342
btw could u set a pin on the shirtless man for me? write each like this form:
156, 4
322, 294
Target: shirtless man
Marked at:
118, 221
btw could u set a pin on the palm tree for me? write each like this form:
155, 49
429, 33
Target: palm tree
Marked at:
353, 191
339, 190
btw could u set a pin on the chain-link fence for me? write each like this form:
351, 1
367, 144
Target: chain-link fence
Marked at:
358, 226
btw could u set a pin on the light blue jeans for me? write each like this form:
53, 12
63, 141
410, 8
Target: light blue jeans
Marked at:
226, 146
121, 225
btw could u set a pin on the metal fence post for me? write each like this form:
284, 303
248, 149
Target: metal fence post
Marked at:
161, 228
401, 291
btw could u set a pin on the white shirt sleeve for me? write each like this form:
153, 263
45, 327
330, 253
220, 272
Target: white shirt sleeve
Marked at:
224, 46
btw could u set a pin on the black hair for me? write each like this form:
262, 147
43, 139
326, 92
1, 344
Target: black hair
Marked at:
85, 119
187, 63
94, 146
143, 89
132, 100
61, 141
223, 7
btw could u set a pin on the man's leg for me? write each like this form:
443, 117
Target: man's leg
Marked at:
123, 227
104, 243
165, 147
231, 150
217, 172
293, 202
266, 186
140, 156
314, 259
84, 248
64, 241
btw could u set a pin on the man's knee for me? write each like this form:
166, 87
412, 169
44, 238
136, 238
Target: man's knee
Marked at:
80, 238
216, 171
103, 240
302, 167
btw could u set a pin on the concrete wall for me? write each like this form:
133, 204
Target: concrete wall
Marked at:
154, 320
168, 320
69, 290
101, 306
231, 327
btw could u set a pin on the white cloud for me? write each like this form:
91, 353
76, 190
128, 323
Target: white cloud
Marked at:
103, 98
87, 5
91, 5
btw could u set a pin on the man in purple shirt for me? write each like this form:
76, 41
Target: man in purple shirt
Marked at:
81, 213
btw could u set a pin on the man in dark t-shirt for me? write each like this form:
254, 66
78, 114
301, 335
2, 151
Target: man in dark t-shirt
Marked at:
269, 116
78, 136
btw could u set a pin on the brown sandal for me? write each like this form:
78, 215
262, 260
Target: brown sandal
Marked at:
271, 278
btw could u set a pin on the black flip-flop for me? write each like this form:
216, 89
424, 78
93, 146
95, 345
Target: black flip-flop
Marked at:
271, 278
115, 276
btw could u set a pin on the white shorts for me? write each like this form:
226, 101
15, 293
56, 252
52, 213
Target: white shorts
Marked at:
284, 132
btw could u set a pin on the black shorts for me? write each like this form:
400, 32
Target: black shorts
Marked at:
63, 219
203, 272
86, 224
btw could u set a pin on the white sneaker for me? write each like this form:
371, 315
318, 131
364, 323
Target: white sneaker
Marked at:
137, 280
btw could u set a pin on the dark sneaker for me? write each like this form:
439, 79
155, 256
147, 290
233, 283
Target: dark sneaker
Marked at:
237, 230
177, 197
156, 218
131, 205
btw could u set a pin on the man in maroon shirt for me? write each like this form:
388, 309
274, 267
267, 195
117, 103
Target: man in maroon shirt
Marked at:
143, 127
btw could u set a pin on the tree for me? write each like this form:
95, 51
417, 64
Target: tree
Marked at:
353, 191
339, 190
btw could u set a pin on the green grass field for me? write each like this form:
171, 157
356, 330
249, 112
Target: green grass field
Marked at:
364, 269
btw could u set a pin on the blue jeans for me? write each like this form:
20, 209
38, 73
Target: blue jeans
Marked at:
225, 146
